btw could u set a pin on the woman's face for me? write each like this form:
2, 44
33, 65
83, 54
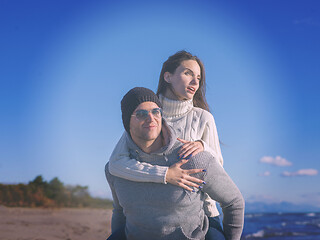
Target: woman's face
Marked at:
184, 81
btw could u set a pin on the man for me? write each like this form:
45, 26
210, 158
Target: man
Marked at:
159, 211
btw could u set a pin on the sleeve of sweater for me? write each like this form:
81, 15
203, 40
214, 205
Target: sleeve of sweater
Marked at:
210, 139
118, 220
222, 189
121, 165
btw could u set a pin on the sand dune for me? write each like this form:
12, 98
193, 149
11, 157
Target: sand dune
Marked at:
52, 224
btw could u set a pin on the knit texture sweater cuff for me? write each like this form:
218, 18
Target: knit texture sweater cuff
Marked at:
155, 174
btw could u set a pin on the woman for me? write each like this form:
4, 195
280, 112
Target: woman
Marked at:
181, 90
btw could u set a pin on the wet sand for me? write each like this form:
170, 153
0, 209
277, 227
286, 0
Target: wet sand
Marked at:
64, 223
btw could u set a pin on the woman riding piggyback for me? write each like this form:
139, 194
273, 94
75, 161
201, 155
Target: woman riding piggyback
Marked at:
181, 90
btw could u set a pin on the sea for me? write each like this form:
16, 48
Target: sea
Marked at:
284, 226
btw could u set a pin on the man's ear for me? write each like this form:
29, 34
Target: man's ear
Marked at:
167, 77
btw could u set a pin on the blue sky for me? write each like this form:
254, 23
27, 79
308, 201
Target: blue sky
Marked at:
65, 66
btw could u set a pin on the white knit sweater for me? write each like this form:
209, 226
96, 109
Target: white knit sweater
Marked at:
190, 123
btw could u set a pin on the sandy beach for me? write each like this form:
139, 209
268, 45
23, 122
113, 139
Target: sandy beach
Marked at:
52, 224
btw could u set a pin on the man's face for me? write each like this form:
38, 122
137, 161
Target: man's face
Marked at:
147, 130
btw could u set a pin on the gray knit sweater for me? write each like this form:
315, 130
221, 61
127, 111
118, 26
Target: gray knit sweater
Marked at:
159, 211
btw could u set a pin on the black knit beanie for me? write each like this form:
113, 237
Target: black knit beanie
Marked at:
132, 100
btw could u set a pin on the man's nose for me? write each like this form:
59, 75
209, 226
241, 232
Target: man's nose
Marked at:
150, 117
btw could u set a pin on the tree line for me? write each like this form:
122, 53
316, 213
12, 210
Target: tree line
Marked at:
40, 193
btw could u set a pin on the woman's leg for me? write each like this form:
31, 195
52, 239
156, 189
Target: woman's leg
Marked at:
118, 235
215, 231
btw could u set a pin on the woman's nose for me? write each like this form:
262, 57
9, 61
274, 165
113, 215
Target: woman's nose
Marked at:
194, 81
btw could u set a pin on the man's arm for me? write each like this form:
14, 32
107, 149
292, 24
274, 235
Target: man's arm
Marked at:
118, 219
222, 189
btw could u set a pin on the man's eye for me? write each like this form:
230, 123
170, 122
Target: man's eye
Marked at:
141, 114
155, 112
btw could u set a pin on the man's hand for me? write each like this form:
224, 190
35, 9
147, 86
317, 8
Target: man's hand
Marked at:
190, 148
181, 177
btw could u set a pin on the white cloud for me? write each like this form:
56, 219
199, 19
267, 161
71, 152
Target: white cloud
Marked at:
265, 174
301, 172
278, 161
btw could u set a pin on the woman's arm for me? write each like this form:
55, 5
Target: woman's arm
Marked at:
121, 165
210, 139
